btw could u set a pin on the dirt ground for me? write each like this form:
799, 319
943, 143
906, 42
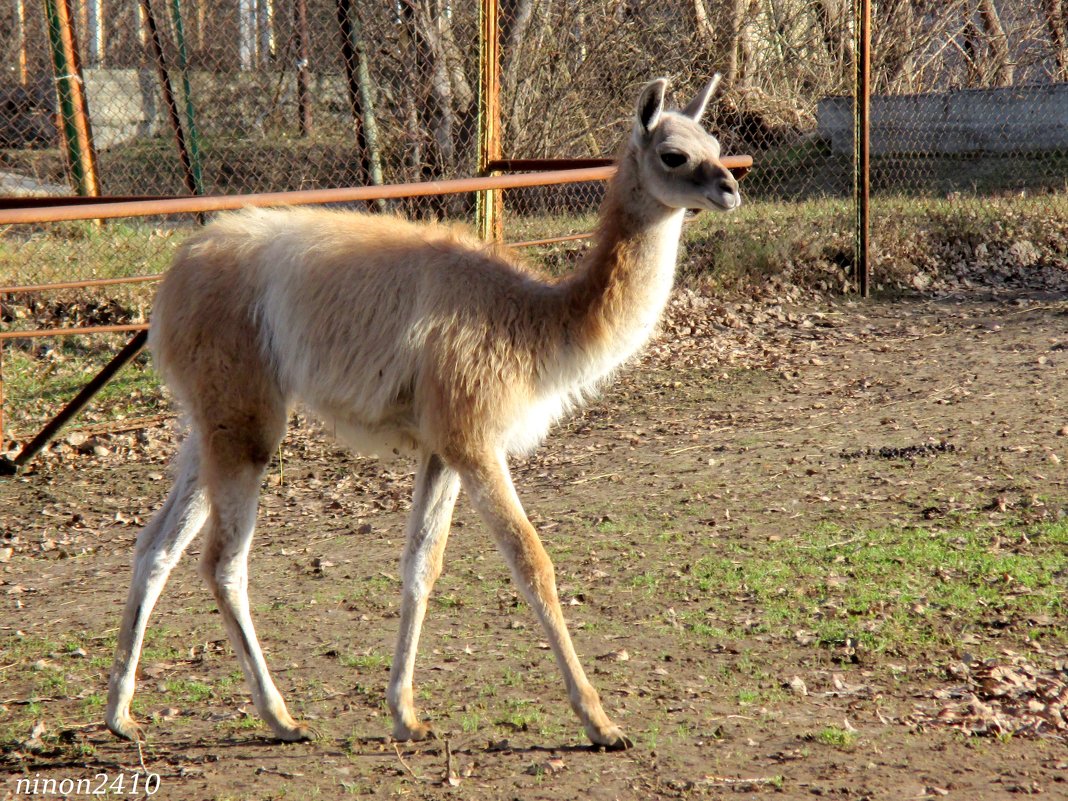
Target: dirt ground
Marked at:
748, 437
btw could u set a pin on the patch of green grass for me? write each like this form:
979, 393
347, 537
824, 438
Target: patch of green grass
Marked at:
748, 697
836, 737
84, 250
608, 526
372, 660
93, 702
232, 679
448, 600
893, 589
37, 386
812, 241
52, 682
646, 581
512, 678
28, 648
243, 723
708, 631
470, 722
520, 715
189, 690
161, 653
651, 737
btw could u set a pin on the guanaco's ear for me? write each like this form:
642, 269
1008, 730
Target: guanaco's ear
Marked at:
651, 104
696, 108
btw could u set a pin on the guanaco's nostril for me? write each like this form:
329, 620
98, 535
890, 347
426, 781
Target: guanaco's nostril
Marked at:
728, 186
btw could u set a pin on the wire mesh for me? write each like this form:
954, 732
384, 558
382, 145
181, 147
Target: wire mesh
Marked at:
969, 123
271, 88
969, 114
969, 100
265, 95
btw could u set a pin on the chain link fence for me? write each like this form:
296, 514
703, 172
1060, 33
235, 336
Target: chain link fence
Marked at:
969, 111
274, 95
969, 143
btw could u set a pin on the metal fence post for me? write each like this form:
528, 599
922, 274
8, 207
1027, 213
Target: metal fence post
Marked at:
1, 394
168, 98
862, 146
190, 112
73, 104
20, 32
490, 224
304, 109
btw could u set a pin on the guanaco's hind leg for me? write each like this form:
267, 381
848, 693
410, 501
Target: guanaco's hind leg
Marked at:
159, 547
489, 484
436, 488
236, 455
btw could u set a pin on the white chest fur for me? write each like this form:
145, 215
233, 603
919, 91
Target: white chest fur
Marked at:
576, 373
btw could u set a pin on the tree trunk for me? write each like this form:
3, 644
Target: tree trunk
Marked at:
304, 108
834, 26
1053, 11
448, 110
435, 112
515, 17
998, 44
361, 94
738, 46
894, 28
367, 107
704, 26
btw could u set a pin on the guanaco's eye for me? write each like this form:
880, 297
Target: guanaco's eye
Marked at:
672, 158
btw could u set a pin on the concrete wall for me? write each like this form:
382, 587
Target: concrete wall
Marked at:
961, 121
125, 104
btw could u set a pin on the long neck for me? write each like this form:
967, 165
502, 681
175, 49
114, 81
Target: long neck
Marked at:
616, 298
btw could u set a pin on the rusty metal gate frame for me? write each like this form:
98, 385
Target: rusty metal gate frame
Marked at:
496, 173
585, 171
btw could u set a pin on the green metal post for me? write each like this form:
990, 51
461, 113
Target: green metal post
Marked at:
490, 225
74, 107
862, 147
190, 115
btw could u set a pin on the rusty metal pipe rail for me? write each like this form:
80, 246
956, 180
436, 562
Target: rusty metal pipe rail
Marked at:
40, 201
25, 289
38, 333
738, 165
209, 203
64, 211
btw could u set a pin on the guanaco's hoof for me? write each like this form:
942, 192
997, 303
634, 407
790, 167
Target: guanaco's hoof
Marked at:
416, 733
612, 740
126, 728
299, 733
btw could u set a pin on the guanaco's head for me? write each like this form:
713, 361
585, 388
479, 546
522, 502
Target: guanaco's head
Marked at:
677, 158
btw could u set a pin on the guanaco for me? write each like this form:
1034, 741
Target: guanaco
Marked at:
408, 338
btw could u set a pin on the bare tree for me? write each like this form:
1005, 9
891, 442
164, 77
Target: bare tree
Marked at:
738, 48
448, 110
1002, 68
893, 30
1053, 12
515, 17
834, 20
361, 93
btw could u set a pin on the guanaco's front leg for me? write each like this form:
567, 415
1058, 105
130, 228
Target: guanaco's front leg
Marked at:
490, 486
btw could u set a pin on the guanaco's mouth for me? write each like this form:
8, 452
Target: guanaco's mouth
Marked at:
719, 205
